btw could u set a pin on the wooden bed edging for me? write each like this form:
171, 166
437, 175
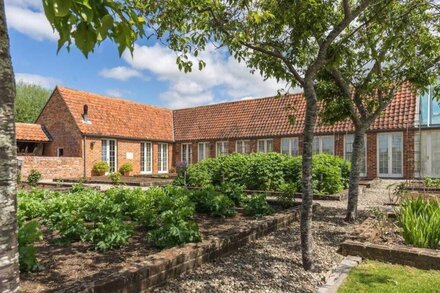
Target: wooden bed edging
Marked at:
421, 258
169, 263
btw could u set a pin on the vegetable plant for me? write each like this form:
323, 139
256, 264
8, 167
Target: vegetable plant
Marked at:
257, 206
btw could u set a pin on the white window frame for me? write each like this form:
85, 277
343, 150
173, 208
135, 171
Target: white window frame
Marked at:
162, 158
58, 152
362, 174
225, 146
320, 137
390, 161
296, 142
243, 146
107, 159
145, 165
186, 153
265, 145
205, 153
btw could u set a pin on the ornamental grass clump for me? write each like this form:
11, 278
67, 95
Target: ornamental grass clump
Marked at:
420, 222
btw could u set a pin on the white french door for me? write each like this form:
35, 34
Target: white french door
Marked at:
146, 158
163, 158
430, 154
108, 153
390, 154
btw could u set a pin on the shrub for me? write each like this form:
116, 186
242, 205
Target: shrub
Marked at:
34, 177
234, 191
257, 206
115, 178
287, 198
101, 167
213, 202
198, 176
266, 171
126, 168
420, 222
28, 234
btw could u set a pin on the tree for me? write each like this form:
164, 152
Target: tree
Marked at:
30, 100
9, 277
402, 48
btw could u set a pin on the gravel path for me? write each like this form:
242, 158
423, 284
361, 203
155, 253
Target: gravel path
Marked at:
273, 263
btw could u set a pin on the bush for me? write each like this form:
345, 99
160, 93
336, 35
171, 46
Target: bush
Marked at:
420, 222
234, 191
257, 206
213, 203
28, 234
101, 167
126, 168
287, 198
115, 178
34, 177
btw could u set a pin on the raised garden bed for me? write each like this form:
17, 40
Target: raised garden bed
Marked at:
139, 266
125, 180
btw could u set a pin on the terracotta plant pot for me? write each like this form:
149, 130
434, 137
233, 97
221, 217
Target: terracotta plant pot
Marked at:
126, 173
100, 173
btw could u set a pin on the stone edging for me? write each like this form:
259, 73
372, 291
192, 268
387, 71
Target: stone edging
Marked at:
421, 258
169, 263
338, 276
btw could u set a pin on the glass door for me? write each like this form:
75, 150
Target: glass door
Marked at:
389, 153
430, 154
163, 157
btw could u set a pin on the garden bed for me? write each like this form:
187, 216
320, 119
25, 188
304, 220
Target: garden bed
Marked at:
138, 266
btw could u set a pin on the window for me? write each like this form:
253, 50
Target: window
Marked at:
348, 152
146, 158
243, 146
265, 145
429, 108
108, 152
222, 148
163, 157
186, 155
289, 146
324, 145
60, 152
203, 151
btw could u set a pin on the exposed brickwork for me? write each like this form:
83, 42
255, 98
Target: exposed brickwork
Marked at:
371, 155
339, 144
408, 148
52, 167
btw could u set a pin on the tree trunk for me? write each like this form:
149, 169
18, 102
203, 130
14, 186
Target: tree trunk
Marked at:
353, 189
9, 270
307, 196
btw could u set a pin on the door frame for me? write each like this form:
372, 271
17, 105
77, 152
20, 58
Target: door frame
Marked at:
390, 160
361, 174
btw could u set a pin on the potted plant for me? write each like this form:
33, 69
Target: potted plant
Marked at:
126, 168
100, 168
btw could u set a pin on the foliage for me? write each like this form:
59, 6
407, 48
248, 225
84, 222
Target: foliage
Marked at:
115, 177
257, 206
28, 234
214, 203
29, 101
109, 235
420, 222
430, 182
18, 176
126, 168
33, 177
234, 191
77, 187
101, 166
287, 198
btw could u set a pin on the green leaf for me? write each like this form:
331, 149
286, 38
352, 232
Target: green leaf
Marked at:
62, 7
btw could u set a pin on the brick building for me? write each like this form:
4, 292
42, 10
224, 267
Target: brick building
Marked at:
402, 142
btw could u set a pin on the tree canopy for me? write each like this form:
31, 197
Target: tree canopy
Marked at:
29, 101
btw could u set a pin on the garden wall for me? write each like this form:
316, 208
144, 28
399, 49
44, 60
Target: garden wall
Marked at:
52, 167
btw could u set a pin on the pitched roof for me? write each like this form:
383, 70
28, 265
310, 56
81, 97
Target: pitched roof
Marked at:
117, 117
31, 132
266, 117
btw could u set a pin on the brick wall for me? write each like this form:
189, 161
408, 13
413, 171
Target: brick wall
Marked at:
52, 167
408, 148
62, 128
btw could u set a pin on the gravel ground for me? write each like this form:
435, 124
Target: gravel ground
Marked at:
273, 263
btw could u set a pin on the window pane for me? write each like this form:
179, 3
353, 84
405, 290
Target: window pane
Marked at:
383, 154
201, 152
424, 108
246, 147
435, 112
261, 146
148, 157
142, 157
104, 150
349, 146
285, 146
269, 146
397, 154
239, 146
327, 145
294, 147
315, 146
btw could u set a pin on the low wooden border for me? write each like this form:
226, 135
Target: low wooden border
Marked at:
421, 258
169, 263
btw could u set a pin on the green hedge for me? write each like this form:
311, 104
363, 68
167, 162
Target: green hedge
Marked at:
268, 172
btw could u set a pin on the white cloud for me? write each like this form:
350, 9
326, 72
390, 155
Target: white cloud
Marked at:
44, 81
222, 73
27, 17
120, 73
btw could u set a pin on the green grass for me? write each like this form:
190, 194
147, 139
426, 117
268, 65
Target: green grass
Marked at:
373, 276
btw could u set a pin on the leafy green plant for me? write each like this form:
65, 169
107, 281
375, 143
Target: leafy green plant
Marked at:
77, 187
28, 234
109, 235
420, 222
126, 168
115, 177
430, 182
101, 167
257, 206
214, 203
287, 198
234, 191
33, 177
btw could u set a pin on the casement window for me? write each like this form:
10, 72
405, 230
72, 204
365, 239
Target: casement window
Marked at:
390, 154
243, 146
109, 153
162, 157
146, 158
324, 144
203, 151
221, 148
429, 108
348, 152
60, 152
186, 154
265, 145
289, 146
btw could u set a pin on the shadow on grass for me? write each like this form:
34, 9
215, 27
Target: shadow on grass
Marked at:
370, 279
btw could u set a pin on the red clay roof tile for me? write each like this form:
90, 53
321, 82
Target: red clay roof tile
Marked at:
31, 132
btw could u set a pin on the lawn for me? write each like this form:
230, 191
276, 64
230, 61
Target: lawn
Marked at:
373, 276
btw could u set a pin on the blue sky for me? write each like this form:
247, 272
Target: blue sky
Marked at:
151, 76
